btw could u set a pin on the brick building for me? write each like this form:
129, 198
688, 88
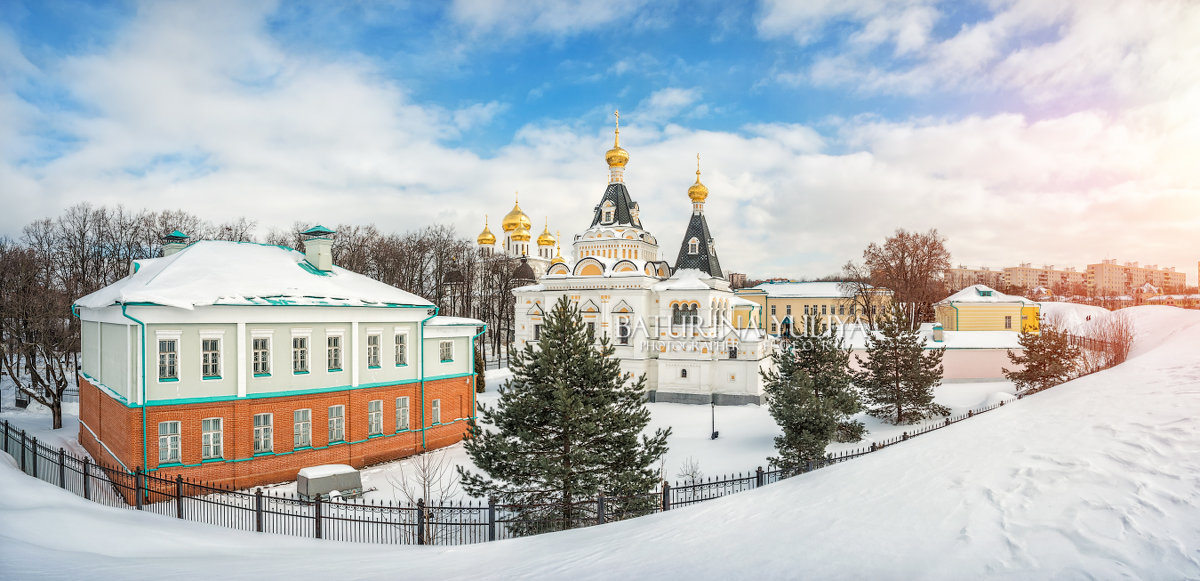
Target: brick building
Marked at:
239, 364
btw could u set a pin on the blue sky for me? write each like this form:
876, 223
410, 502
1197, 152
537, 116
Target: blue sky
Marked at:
1048, 132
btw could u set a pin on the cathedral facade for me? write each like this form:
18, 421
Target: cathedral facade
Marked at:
681, 325
516, 242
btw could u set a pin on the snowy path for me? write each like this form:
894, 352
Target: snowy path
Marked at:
1098, 478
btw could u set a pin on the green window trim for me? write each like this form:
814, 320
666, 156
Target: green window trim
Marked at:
299, 373
167, 379
262, 375
333, 370
208, 377
374, 367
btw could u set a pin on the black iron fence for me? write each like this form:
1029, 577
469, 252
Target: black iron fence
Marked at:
366, 521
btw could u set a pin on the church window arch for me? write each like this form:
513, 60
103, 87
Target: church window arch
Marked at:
607, 212
694, 246
683, 373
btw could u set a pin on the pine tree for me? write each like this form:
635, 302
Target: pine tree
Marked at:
810, 395
899, 375
1047, 360
480, 380
568, 426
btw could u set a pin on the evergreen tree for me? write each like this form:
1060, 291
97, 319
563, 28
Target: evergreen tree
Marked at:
1048, 359
810, 395
568, 426
899, 375
480, 381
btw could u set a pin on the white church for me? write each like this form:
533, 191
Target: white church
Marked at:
681, 326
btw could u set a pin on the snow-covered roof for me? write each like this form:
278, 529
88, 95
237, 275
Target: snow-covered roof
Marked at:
979, 293
804, 290
313, 472
686, 279
740, 302
237, 273
454, 322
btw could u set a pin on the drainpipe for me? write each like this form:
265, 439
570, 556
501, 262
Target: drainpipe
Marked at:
421, 331
142, 357
475, 388
955, 316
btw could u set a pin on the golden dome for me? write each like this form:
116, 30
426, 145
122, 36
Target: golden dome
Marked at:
558, 259
698, 192
515, 219
617, 157
546, 239
521, 234
486, 238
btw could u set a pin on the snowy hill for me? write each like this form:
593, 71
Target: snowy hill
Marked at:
1098, 478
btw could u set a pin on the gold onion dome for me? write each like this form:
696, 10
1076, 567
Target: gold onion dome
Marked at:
546, 239
516, 219
698, 192
617, 157
486, 238
558, 259
521, 234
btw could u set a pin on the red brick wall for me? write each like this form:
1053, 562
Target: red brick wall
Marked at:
119, 427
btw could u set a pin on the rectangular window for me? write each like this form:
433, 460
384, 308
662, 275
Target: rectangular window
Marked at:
372, 350
333, 352
623, 331
168, 442
1008, 321
401, 413
299, 354
772, 309
211, 438
824, 309
435, 413
806, 309
262, 356
447, 351
168, 359
789, 309
591, 326
375, 417
841, 310
264, 438
302, 428
401, 349
337, 423
211, 357
537, 332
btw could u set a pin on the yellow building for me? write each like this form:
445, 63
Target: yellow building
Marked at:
784, 304
963, 277
980, 308
1109, 278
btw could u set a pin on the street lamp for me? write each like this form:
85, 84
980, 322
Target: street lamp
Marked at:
713, 406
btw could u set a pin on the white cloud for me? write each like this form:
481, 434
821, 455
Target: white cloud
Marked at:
666, 104
509, 18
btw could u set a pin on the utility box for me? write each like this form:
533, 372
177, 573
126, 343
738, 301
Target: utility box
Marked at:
323, 480
939, 335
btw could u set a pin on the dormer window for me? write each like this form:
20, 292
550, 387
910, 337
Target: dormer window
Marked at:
607, 213
694, 246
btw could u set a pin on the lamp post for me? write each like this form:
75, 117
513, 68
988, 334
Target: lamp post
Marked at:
713, 407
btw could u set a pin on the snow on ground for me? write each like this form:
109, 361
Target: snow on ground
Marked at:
1073, 317
1097, 478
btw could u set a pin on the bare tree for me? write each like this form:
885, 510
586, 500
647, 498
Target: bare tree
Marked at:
911, 264
864, 298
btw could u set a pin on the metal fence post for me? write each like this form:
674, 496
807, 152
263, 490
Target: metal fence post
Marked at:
758, 477
137, 486
420, 521
491, 519
33, 448
317, 517
258, 511
666, 495
87, 484
5, 436
600, 509
904, 436
179, 495
62, 468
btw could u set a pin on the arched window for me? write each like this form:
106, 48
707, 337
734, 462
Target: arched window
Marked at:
676, 315
683, 373
694, 246
607, 213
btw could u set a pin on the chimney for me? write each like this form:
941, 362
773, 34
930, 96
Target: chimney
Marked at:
173, 242
318, 247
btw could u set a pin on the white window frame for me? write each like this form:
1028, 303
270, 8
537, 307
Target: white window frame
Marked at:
435, 411
337, 423
400, 346
375, 417
212, 440
260, 367
264, 433
694, 245
374, 351
442, 349
219, 337
168, 370
302, 428
168, 443
303, 363
403, 414
335, 356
